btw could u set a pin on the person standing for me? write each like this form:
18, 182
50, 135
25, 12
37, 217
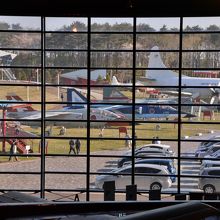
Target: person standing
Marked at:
101, 133
135, 139
62, 130
13, 150
78, 145
62, 96
128, 141
72, 146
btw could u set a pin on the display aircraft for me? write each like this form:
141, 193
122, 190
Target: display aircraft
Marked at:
146, 111
165, 77
69, 112
115, 82
11, 105
142, 111
128, 86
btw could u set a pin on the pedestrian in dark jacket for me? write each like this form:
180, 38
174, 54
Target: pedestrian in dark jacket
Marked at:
78, 145
13, 150
72, 146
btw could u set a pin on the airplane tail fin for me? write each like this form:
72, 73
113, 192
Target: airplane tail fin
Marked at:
19, 99
114, 95
114, 81
74, 95
155, 61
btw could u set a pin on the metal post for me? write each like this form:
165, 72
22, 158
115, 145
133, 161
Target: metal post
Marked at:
4, 129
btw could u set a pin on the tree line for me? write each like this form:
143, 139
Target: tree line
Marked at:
69, 49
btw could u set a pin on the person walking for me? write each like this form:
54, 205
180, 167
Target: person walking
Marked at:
156, 140
128, 141
72, 146
17, 130
78, 145
13, 150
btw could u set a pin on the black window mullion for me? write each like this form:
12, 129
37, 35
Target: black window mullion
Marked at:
179, 105
133, 100
43, 106
88, 112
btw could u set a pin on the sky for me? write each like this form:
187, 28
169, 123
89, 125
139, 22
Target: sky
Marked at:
53, 23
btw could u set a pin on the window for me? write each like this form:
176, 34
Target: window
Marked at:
86, 77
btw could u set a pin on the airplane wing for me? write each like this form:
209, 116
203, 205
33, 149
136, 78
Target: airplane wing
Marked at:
55, 115
176, 93
12, 105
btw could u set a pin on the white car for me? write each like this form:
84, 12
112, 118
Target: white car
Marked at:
122, 177
161, 147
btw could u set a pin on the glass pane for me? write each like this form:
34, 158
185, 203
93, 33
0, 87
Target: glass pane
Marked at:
20, 181
66, 41
20, 40
111, 59
158, 24
194, 41
111, 41
201, 23
20, 93
66, 59
112, 24
20, 23
200, 59
66, 24
163, 41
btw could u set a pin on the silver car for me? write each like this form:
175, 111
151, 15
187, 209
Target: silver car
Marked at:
122, 177
207, 184
206, 144
209, 163
208, 151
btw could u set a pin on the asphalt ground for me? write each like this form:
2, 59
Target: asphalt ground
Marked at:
71, 164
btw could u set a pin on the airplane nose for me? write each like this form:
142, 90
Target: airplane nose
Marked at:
189, 115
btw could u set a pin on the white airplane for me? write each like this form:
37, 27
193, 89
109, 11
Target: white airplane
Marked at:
69, 112
166, 77
115, 82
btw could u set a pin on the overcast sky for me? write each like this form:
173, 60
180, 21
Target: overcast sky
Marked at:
156, 23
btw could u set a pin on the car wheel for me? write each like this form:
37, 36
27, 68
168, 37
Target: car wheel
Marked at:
156, 186
209, 188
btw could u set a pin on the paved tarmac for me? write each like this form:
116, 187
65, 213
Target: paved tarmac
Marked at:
68, 164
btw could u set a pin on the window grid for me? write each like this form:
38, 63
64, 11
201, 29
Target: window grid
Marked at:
88, 155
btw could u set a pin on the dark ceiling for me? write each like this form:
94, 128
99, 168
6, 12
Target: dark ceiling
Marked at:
112, 7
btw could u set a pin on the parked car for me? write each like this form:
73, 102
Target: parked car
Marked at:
163, 147
207, 184
208, 151
209, 163
206, 144
216, 155
144, 153
163, 162
122, 177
